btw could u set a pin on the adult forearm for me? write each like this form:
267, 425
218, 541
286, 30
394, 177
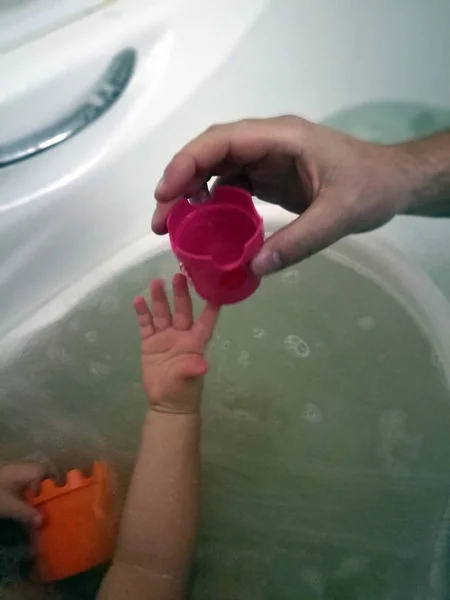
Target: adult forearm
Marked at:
425, 166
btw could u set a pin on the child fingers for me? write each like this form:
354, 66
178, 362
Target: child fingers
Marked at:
162, 316
14, 508
16, 477
205, 324
182, 316
144, 317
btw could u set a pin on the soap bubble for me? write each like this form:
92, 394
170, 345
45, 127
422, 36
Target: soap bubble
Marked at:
366, 323
58, 354
109, 305
259, 333
244, 358
296, 346
436, 360
312, 414
91, 336
98, 368
290, 276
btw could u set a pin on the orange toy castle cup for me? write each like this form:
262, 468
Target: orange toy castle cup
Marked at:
78, 531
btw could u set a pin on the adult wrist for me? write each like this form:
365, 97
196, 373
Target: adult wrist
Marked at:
424, 168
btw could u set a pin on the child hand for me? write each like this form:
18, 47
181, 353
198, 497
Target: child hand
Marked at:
15, 479
173, 346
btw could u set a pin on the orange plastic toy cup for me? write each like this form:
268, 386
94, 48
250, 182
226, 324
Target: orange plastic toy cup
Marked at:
78, 531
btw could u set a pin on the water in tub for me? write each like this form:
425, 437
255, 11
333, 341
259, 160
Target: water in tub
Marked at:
325, 449
326, 454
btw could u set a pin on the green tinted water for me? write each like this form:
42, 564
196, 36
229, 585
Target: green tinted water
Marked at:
325, 446
326, 417
390, 122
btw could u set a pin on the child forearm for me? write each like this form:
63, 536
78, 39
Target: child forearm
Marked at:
165, 488
159, 524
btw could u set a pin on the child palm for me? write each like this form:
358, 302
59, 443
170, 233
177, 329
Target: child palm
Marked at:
173, 346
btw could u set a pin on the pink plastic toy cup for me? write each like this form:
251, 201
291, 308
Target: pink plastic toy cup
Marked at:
215, 243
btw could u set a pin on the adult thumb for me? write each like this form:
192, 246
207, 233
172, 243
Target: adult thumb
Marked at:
322, 224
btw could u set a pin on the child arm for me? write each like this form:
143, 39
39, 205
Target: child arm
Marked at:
159, 524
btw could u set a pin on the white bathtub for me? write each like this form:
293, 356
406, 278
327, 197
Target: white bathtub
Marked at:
76, 216
65, 211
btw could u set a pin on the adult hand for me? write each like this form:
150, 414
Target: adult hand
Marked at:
337, 184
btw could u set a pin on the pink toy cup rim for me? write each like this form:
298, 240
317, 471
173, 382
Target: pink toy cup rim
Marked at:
251, 215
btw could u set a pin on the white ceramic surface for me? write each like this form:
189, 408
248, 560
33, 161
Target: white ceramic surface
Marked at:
66, 211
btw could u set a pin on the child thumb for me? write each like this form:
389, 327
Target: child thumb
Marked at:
193, 366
